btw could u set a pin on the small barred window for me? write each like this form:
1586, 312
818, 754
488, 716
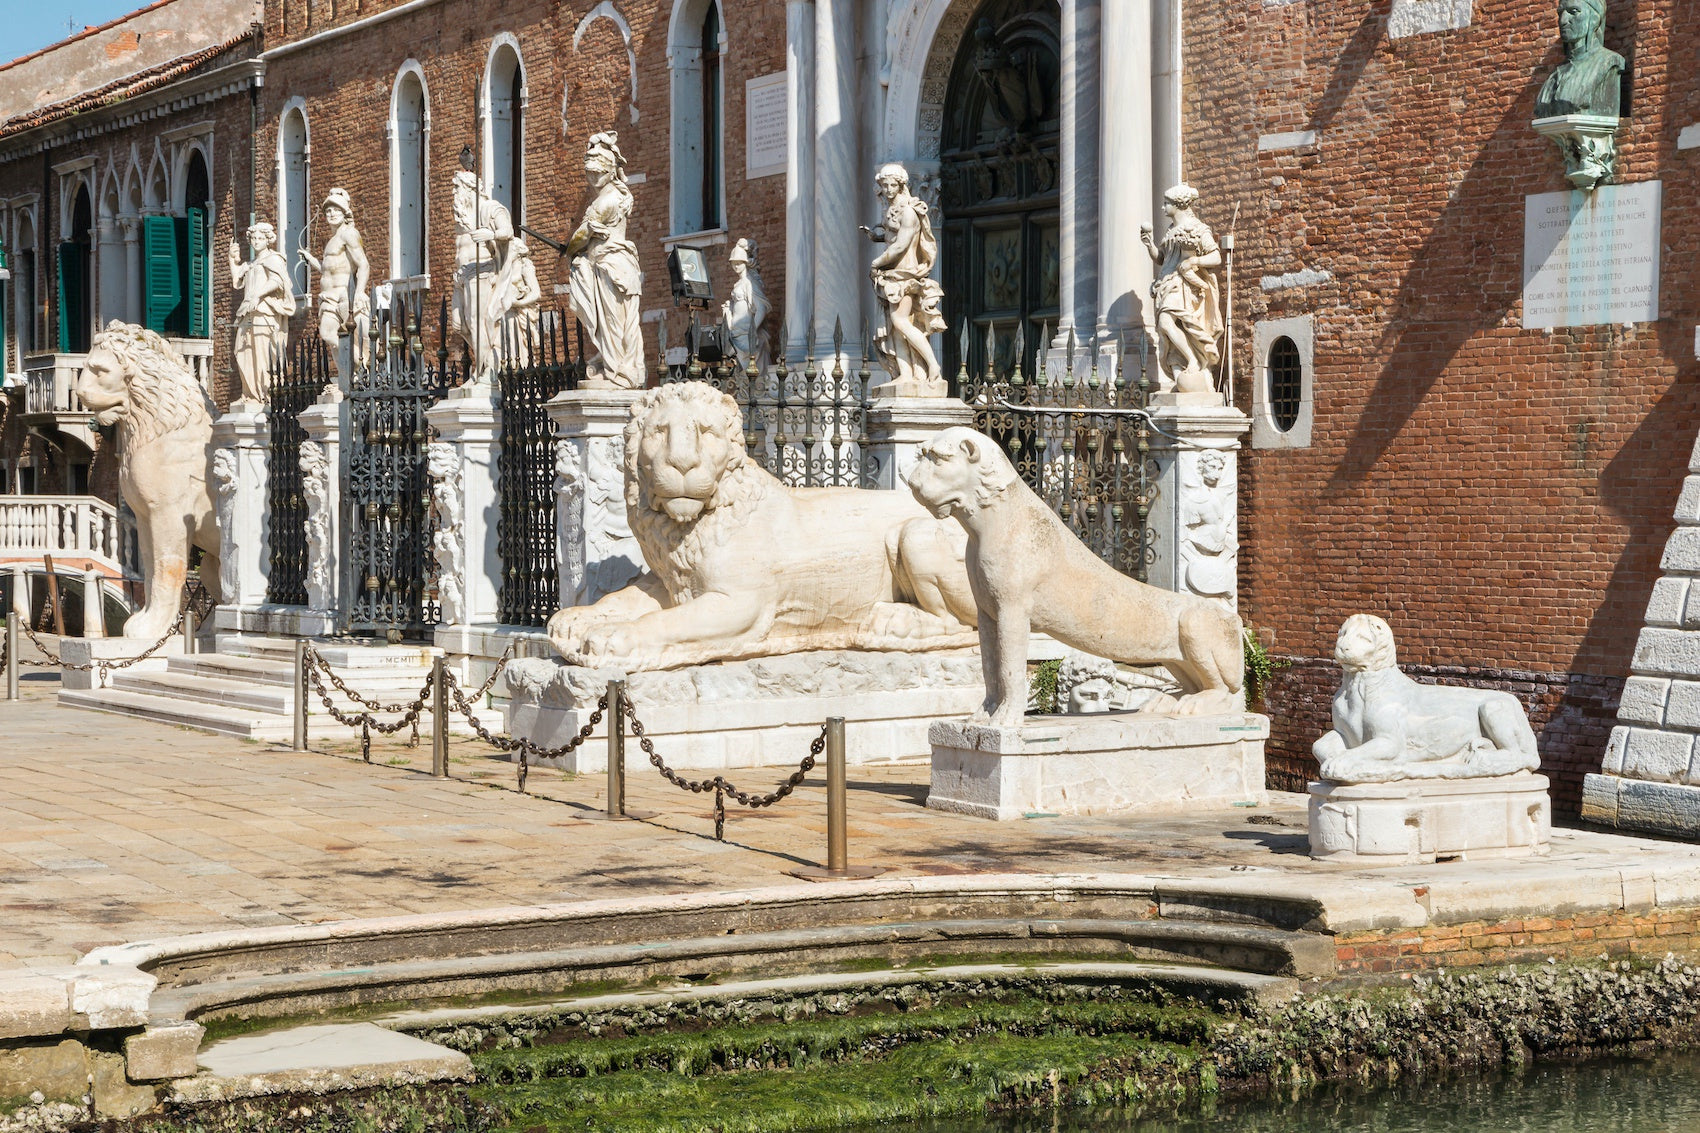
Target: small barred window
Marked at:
1286, 382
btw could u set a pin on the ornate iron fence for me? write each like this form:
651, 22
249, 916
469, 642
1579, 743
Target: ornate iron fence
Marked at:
537, 369
295, 384
807, 424
1079, 436
386, 489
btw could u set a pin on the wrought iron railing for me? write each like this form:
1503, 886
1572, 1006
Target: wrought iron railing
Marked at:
295, 385
535, 369
1080, 437
806, 423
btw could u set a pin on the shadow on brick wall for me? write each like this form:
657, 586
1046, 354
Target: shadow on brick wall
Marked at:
1572, 714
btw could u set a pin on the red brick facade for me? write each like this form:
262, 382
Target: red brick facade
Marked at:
1500, 495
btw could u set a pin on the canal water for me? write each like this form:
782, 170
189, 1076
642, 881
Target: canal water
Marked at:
1620, 1095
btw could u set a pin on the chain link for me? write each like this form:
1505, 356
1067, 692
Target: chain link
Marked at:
106, 668
527, 750
365, 721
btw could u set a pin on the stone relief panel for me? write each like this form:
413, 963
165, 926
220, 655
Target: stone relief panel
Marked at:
448, 544
316, 490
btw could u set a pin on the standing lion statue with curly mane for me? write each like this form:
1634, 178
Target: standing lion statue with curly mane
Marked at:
741, 566
1031, 573
136, 380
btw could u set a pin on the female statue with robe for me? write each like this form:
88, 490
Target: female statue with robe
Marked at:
606, 283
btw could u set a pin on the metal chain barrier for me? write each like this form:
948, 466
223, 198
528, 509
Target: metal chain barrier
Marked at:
719, 785
527, 750
105, 668
319, 670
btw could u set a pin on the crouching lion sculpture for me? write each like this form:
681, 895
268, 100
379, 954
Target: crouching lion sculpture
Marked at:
1029, 572
742, 566
1387, 726
135, 379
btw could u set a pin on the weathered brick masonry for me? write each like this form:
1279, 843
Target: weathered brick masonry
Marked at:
1500, 495
1519, 941
572, 92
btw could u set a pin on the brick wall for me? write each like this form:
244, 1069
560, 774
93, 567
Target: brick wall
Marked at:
572, 93
1519, 941
1500, 495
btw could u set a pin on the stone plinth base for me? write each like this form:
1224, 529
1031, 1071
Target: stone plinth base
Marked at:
754, 713
83, 650
1118, 761
1642, 807
275, 621
1422, 820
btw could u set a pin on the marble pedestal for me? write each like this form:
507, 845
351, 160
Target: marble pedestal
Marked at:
244, 527
899, 426
1114, 762
83, 650
1195, 515
759, 713
1422, 820
595, 548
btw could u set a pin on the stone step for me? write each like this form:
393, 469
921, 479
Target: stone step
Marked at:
246, 723
256, 670
279, 699
341, 655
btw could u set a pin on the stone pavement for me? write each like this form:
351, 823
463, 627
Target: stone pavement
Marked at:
116, 830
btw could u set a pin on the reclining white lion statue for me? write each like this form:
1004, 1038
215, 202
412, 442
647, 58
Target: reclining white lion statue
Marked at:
1029, 573
742, 566
135, 379
1388, 727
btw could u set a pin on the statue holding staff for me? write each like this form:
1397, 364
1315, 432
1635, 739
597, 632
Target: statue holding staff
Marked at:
344, 275
1185, 295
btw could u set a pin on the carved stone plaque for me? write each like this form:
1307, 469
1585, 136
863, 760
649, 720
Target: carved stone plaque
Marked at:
1592, 257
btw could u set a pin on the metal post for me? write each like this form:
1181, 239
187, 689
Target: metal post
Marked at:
439, 721
616, 749
837, 850
12, 636
188, 628
301, 694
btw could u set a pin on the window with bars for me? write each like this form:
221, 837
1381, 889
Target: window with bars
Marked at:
1286, 382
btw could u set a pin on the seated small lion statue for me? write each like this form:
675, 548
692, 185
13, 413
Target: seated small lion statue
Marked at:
1029, 573
1388, 727
135, 379
740, 565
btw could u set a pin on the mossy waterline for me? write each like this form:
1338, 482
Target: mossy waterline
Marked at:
894, 1054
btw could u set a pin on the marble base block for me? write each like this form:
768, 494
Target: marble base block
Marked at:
1422, 820
84, 650
758, 713
1639, 806
1117, 761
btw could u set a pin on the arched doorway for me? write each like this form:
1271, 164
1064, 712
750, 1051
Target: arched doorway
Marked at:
998, 158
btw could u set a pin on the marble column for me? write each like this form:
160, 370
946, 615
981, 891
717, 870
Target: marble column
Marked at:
133, 289
799, 175
240, 475
328, 590
595, 548
1195, 515
1078, 207
841, 252
467, 421
1166, 94
898, 426
1125, 193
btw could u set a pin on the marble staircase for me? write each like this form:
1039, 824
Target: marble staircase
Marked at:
246, 688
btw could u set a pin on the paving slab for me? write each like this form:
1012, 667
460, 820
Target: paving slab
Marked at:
115, 830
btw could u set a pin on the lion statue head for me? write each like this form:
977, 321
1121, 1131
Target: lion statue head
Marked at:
1365, 645
135, 379
959, 472
684, 440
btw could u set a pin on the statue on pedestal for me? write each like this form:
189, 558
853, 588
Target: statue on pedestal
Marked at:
344, 275
268, 299
484, 233
515, 306
1579, 104
902, 276
747, 310
1185, 295
605, 279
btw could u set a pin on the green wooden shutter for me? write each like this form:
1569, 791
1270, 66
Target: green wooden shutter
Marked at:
5, 343
70, 294
162, 275
197, 268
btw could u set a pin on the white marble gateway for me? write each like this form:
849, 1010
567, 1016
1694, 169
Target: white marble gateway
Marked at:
1112, 762
1424, 820
757, 713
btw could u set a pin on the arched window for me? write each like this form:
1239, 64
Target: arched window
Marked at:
1283, 402
75, 275
294, 192
504, 130
1286, 383
696, 45
409, 125
25, 287
176, 268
